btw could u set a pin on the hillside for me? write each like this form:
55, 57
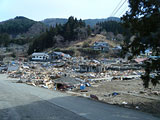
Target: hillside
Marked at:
91, 22
76, 48
21, 30
97, 38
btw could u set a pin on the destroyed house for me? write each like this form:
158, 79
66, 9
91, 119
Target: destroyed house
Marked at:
40, 56
17, 48
64, 83
92, 68
102, 46
59, 55
117, 49
140, 60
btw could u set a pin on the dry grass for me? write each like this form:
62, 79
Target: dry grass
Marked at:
92, 40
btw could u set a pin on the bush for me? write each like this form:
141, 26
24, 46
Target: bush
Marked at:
89, 51
69, 51
85, 45
57, 49
13, 55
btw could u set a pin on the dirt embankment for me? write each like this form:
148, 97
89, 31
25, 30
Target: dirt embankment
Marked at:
130, 94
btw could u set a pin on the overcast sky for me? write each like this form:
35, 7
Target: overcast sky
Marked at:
41, 9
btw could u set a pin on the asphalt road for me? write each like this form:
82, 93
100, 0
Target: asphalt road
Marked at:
23, 102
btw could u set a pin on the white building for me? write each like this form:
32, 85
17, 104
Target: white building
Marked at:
40, 56
102, 46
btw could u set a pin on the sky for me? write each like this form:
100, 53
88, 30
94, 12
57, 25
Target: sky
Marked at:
42, 9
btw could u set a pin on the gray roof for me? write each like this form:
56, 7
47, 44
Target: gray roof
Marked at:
39, 54
67, 80
58, 53
63, 54
105, 44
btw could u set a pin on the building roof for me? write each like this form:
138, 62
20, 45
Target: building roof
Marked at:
138, 60
101, 44
154, 57
39, 54
62, 54
67, 80
58, 53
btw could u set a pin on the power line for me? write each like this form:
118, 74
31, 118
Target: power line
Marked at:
116, 8
123, 13
119, 8
125, 9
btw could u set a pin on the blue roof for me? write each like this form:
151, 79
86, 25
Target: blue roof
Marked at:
147, 51
58, 53
154, 57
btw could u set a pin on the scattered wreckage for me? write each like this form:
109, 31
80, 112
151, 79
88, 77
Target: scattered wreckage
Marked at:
71, 73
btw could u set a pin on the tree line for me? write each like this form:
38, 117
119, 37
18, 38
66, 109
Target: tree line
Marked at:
16, 25
72, 30
112, 26
13, 31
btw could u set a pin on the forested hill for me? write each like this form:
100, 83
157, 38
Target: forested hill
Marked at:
54, 21
61, 35
91, 22
21, 30
18, 25
27, 27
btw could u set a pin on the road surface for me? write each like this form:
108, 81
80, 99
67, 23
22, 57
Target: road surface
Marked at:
23, 102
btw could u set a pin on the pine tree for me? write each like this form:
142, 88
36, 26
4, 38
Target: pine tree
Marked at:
89, 30
143, 20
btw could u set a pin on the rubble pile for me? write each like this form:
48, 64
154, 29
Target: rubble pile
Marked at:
95, 79
79, 69
115, 81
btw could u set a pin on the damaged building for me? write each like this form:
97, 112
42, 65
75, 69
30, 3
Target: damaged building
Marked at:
59, 55
92, 68
64, 83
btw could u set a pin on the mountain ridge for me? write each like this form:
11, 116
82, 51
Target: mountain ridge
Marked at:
91, 22
26, 27
21, 25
